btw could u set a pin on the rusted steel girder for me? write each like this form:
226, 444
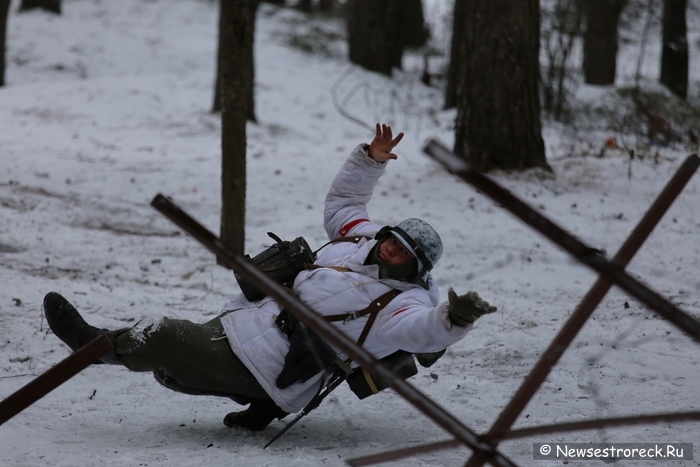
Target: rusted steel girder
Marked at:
568, 332
520, 433
246, 268
611, 272
585, 309
54, 377
579, 250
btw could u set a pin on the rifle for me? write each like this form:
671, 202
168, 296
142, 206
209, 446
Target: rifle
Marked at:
335, 381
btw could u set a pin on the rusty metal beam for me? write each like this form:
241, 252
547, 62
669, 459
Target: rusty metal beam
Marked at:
579, 250
585, 309
612, 272
566, 335
584, 425
246, 268
597, 424
54, 377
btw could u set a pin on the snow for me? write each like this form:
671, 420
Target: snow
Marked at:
108, 105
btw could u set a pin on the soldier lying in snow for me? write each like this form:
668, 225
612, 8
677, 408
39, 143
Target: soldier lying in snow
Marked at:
253, 353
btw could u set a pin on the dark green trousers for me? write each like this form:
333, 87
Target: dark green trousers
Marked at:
188, 357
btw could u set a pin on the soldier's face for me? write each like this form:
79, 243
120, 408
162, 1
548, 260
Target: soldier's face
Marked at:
392, 251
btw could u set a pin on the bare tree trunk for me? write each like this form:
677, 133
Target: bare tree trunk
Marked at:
374, 39
674, 52
414, 31
600, 40
305, 6
237, 18
455, 70
498, 122
216, 106
54, 6
326, 5
4, 10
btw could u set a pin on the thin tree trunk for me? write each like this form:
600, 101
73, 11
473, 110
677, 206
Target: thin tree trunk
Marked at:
305, 6
326, 5
674, 52
237, 49
374, 34
600, 41
455, 69
414, 31
4, 10
216, 105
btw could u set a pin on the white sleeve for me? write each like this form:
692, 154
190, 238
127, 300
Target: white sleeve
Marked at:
345, 210
415, 327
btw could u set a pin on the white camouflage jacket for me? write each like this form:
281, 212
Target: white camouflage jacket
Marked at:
414, 321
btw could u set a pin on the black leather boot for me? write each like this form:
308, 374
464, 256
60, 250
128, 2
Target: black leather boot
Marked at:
65, 321
256, 417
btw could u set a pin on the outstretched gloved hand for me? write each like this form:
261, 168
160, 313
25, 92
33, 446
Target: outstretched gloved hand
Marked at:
465, 309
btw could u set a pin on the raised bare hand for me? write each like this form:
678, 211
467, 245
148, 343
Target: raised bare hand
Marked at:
381, 146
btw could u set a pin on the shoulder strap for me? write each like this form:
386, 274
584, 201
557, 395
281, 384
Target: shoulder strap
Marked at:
353, 239
373, 309
377, 305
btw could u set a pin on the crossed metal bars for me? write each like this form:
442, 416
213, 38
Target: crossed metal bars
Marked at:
610, 272
484, 446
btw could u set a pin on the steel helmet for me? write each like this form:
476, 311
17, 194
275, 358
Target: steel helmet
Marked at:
421, 240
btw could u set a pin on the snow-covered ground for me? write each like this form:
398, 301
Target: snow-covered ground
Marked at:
108, 105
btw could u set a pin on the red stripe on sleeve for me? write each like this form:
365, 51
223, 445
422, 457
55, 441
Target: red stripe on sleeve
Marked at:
347, 227
400, 311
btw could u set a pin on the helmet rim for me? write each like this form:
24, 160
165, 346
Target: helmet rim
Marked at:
422, 240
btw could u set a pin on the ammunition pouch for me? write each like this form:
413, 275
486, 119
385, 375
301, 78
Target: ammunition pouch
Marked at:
308, 354
283, 261
364, 384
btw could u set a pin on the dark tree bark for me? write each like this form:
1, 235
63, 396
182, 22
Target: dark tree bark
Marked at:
374, 39
600, 40
4, 10
498, 122
326, 5
216, 106
305, 6
237, 18
414, 30
674, 52
54, 6
455, 69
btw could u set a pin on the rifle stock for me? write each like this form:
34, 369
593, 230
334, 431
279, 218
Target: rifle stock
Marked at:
313, 404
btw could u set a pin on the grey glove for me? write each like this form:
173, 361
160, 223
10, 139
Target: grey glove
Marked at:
465, 309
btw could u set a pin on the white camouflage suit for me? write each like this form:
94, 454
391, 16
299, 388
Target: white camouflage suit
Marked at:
414, 321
